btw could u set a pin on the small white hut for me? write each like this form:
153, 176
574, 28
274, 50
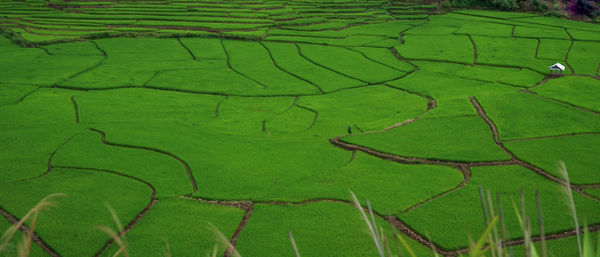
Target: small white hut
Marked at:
556, 69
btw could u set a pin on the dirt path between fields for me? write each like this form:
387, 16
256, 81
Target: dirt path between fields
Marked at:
75, 108
187, 167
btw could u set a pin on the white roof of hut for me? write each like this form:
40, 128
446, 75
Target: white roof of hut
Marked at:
557, 66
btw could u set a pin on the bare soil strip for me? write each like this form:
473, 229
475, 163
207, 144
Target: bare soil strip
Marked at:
310, 110
568, 52
568, 233
219, 106
492, 126
75, 108
25, 229
187, 167
408, 160
186, 48
474, 49
542, 82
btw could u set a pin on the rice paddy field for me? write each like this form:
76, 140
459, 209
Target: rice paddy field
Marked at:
257, 117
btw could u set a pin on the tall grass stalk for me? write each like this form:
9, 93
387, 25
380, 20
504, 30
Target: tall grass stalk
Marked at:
229, 248
541, 223
115, 236
32, 214
570, 202
370, 223
294, 244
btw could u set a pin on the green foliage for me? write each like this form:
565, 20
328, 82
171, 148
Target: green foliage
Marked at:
539, 6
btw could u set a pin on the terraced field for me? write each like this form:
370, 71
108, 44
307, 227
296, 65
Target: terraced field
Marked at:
259, 116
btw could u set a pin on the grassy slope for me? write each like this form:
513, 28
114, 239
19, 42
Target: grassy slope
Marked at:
132, 62
251, 59
369, 108
579, 158
87, 151
33, 137
531, 116
290, 178
349, 63
69, 228
286, 56
579, 91
30, 65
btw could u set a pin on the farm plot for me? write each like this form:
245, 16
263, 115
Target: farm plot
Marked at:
256, 118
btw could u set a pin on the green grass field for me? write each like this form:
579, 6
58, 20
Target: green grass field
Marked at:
259, 117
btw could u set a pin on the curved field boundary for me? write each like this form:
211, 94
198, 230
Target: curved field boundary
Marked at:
393, 220
91, 67
49, 166
186, 48
218, 108
25, 229
75, 108
247, 206
23, 97
315, 112
466, 172
410, 160
187, 167
236, 71
327, 68
141, 214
